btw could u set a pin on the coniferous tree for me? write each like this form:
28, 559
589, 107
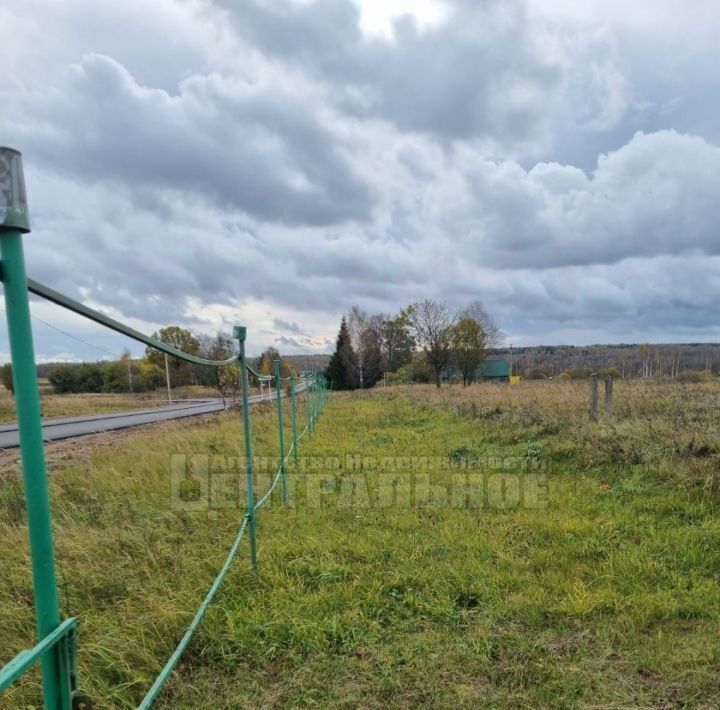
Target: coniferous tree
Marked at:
339, 372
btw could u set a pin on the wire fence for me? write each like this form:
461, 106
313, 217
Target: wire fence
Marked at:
56, 650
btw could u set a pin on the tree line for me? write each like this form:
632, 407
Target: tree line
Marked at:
123, 375
671, 361
149, 373
421, 343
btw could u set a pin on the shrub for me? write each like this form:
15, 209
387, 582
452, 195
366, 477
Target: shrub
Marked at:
115, 377
147, 376
415, 371
105, 377
7, 377
63, 378
694, 376
89, 378
580, 373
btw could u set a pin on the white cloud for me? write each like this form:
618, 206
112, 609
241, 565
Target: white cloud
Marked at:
273, 162
378, 16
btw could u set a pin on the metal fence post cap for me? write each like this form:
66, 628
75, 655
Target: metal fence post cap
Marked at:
13, 199
239, 332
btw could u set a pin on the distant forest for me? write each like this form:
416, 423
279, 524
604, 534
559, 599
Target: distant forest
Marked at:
298, 362
663, 360
639, 360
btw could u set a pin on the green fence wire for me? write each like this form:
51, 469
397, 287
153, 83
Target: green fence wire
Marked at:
56, 649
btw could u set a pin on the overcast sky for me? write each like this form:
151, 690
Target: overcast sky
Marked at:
272, 162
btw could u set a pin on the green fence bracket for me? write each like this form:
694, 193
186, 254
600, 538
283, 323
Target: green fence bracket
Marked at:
281, 433
240, 332
13, 669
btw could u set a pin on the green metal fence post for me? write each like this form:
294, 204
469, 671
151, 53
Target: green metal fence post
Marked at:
13, 224
293, 410
313, 400
281, 432
317, 396
307, 409
309, 399
240, 332
313, 389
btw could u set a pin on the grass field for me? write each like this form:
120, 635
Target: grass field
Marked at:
587, 578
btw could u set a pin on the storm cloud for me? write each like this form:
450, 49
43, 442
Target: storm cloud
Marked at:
273, 162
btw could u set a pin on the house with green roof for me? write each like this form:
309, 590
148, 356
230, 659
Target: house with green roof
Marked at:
494, 369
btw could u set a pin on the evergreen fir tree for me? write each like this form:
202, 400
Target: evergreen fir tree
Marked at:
339, 372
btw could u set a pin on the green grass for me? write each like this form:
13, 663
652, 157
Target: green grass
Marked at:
607, 597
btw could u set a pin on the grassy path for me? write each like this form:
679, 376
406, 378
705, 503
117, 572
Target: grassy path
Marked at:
587, 578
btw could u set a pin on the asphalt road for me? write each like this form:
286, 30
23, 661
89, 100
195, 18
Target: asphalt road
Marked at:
70, 427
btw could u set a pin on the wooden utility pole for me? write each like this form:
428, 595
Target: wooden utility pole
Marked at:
593, 404
608, 396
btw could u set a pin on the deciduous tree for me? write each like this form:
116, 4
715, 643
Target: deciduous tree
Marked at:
228, 384
181, 339
219, 347
397, 342
468, 347
476, 311
266, 364
431, 323
365, 352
